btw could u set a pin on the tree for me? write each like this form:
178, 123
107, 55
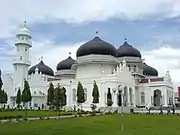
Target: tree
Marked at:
80, 94
26, 94
3, 97
50, 95
63, 97
95, 93
57, 98
18, 98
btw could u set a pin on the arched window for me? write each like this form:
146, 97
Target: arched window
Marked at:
129, 67
109, 96
134, 68
21, 58
74, 95
142, 98
85, 94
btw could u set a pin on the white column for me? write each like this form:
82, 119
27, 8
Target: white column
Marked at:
128, 97
133, 97
114, 99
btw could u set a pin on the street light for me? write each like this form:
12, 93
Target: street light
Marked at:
122, 104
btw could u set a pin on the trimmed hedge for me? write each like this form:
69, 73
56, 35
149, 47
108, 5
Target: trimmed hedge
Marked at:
10, 117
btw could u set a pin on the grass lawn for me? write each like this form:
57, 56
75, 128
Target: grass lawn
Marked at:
30, 113
97, 125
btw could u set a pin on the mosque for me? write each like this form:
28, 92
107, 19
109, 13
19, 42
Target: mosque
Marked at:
120, 71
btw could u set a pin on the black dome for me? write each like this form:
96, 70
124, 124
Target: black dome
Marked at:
96, 46
42, 68
148, 70
65, 64
128, 50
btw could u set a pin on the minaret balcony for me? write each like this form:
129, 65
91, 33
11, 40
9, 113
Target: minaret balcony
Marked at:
27, 42
22, 62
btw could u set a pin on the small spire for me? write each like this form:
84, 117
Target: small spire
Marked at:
125, 39
25, 23
69, 54
41, 58
97, 33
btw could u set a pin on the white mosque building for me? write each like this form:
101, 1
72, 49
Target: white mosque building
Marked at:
97, 60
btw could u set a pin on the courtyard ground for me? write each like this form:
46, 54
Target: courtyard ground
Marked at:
97, 125
30, 113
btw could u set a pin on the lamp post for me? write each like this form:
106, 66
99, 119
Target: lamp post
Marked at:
122, 104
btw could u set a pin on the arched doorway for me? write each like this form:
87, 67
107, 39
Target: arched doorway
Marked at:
119, 99
109, 95
125, 98
130, 96
157, 98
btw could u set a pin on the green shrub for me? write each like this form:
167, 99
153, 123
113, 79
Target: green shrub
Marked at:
131, 110
109, 102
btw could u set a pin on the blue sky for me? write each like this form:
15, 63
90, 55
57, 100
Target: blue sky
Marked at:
59, 26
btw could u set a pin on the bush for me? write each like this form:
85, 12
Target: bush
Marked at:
93, 114
25, 119
131, 110
109, 102
41, 118
10, 117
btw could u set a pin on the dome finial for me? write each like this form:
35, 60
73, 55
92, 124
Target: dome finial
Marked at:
97, 34
41, 58
125, 39
69, 54
25, 23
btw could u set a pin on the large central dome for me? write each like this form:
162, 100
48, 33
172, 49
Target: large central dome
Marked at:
96, 46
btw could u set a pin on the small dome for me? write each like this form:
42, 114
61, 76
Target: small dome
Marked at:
65, 64
96, 46
148, 70
128, 50
42, 68
24, 31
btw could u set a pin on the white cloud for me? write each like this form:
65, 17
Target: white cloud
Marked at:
78, 11
165, 59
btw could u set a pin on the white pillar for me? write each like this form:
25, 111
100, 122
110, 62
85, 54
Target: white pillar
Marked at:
114, 99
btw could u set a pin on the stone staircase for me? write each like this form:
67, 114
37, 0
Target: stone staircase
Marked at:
126, 109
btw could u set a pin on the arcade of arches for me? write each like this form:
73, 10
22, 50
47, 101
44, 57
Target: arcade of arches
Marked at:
126, 99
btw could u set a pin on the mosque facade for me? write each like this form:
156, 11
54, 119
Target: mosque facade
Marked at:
119, 71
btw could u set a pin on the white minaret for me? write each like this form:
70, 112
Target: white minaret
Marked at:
21, 62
